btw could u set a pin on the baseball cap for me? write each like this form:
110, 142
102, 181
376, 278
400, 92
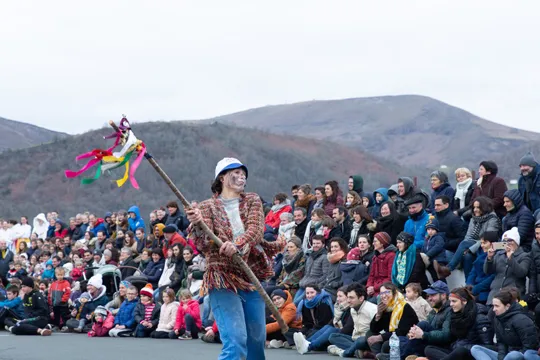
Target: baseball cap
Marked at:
438, 287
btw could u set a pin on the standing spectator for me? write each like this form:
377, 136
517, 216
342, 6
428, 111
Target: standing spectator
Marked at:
510, 266
418, 218
281, 205
135, 220
492, 186
333, 197
529, 182
440, 186
381, 264
408, 265
518, 215
176, 217
464, 190
58, 297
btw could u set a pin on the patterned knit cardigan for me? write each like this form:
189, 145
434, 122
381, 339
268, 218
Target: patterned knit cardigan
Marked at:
222, 273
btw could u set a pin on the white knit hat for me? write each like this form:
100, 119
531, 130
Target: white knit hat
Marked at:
512, 234
96, 281
229, 164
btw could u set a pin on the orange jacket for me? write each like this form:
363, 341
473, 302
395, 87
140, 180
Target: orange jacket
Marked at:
288, 313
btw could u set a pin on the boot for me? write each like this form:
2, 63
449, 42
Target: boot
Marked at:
442, 271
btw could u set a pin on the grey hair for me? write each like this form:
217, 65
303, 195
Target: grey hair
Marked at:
286, 216
127, 250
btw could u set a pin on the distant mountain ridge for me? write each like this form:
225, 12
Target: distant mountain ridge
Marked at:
18, 135
408, 129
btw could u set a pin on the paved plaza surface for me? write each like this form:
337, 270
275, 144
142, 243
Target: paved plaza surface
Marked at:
81, 347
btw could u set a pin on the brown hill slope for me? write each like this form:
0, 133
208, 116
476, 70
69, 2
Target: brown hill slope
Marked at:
33, 178
18, 135
409, 129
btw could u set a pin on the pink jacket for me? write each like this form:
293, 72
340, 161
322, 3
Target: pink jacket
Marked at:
193, 309
101, 329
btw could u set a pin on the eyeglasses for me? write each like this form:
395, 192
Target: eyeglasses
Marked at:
384, 293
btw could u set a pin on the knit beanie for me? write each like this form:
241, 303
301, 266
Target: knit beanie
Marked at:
354, 254
512, 234
432, 223
100, 310
490, 166
147, 290
528, 160
296, 241
383, 238
96, 281
170, 229
86, 296
405, 237
27, 281
280, 293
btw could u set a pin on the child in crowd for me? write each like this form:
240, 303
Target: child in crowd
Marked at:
48, 274
43, 286
103, 322
188, 318
211, 335
167, 317
413, 294
77, 272
75, 292
12, 307
36, 272
146, 313
124, 321
12, 272
58, 299
433, 247
77, 321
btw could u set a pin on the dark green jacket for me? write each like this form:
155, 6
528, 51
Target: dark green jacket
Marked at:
440, 321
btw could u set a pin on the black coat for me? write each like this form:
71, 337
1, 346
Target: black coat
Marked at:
392, 224
128, 271
178, 219
521, 217
468, 197
300, 229
534, 272
515, 331
453, 227
480, 333
4, 263
342, 230
35, 305
408, 319
317, 317
139, 314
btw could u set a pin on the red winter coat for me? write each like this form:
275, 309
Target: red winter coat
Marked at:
101, 329
273, 220
59, 293
381, 268
193, 310
176, 239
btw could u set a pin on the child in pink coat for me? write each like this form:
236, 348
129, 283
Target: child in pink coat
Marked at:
188, 318
104, 321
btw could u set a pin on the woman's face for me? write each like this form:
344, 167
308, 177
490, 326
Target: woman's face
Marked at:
91, 289
318, 195
365, 201
315, 218
22, 246
456, 304
87, 236
33, 260
58, 226
400, 246
291, 248
145, 256
301, 194
109, 246
176, 251
498, 307
127, 239
350, 198
278, 301
187, 255
122, 290
328, 191
377, 245
460, 177
385, 210
334, 247
476, 209
310, 293
363, 244
435, 182
120, 233
341, 297
481, 171
357, 217
386, 295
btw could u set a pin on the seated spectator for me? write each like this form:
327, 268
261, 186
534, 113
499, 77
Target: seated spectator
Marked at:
517, 337
188, 317
389, 221
338, 254
510, 266
144, 259
453, 227
343, 224
381, 264
135, 220
195, 268
316, 267
534, 279
211, 334
97, 297
361, 219
362, 313
283, 302
433, 248
342, 324
128, 266
352, 269
529, 182
103, 322
314, 227
146, 313
353, 200
36, 313
478, 281
12, 307
436, 329
440, 186
320, 197
130, 242
491, 186
418, 218
484, 219
465, 185
469, 326
286, 226
315, 310
292, 271
281, 205
406, 192
413, 294
365, 255
155, 268
408, 265
124, 321
143, 241
381, 196
356, 183
108, 257
305, 200
369, 202
333, 197
175, 217
301, 221
78, 270
118, 297
518, 215
167, 317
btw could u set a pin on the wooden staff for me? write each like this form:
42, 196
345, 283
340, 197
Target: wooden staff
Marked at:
236, 257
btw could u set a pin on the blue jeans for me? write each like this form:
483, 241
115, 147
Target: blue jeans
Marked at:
319, 340
242, 324
458, 256
482, 353
342, 341
206, 315
299, 296
142, 331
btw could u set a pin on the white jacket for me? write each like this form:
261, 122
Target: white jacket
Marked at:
362, 318
167, 316
41, 225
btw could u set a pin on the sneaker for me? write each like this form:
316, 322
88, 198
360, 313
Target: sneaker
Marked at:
8, 328
334, 350
78, 330
185, 336
46, 332
359, 354
65, 329
382, 356
276, 344
302, 345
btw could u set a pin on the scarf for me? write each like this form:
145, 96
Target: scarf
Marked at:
478, 222
339, 310
319, 204
305, 202
316, 225
463, 321
287, 230
322, 297
280, 206
290, 262
335, 257
396, 306
403, 266
461, 191
354, 232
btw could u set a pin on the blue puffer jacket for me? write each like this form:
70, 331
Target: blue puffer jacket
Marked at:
138, 222
153, 272
434, 248
520, 217
377, 206
353, 271
478, 279
533, 198
417, 228
15, 305
444, 189
126, 314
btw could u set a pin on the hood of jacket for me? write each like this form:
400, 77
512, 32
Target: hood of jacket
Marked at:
383, 192
390, 248
371, 199
135, 209
102, 291
514, 309
407, 183
516, 198
393, 190
358, 184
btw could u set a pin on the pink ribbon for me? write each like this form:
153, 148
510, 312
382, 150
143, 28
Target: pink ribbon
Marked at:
135, 165
98, 154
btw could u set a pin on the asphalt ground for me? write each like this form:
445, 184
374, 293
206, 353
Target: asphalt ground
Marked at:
81, 347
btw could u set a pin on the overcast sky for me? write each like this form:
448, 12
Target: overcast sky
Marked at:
71, 65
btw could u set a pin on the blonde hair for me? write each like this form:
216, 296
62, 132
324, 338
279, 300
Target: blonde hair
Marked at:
463, 170
186, 294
